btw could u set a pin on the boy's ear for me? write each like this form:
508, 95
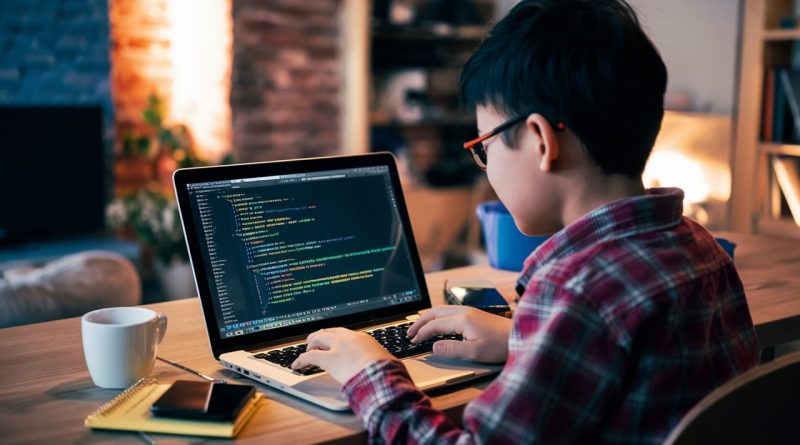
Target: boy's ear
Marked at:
547, 147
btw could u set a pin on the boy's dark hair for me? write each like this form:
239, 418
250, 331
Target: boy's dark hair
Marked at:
586, 63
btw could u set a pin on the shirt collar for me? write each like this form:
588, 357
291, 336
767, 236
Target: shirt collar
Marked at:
658, 209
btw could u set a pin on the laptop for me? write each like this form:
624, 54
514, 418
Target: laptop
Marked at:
282, 249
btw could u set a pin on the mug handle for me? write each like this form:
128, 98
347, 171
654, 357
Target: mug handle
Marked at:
162, 326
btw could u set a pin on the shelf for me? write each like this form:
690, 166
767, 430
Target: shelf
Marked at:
445, 122
778, 35
383, 65
754, 188
429, 34
414, 47
780, 149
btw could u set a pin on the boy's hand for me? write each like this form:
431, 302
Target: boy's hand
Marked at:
341, 352
485, 335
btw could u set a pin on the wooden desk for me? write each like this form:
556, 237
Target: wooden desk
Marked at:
770, 270
46, 391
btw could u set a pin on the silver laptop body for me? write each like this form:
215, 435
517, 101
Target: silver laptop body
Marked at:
282, 249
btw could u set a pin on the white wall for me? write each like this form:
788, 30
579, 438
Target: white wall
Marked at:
698, 42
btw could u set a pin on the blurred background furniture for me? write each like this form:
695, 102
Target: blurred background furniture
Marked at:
67, 287
766, 163
298, 79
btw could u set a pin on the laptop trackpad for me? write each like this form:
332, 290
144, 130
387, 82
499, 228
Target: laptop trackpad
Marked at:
325, 390
430, 371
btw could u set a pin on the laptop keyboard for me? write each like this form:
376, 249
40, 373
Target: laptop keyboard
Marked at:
393, 338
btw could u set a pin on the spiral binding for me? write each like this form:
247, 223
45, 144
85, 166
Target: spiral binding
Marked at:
114, 403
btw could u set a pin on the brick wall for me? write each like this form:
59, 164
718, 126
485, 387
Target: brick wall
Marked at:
140, 50
55, 52
285, 88
286, 82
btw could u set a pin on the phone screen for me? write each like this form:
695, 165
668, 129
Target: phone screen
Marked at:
477, 296
202, 400
184, 397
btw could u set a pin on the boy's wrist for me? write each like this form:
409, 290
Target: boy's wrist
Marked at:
364, 376
376, 387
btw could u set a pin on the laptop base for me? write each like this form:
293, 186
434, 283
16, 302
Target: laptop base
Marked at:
427, 372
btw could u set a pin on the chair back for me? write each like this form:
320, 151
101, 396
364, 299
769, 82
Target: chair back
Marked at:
760, 406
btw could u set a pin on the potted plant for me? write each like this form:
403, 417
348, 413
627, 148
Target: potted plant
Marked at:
152, 218
149, 212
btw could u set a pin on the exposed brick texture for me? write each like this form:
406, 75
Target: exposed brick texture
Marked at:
55, 52
286, 82
140, 50
285, 88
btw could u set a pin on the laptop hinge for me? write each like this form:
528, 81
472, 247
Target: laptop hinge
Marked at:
384, 320
282, 341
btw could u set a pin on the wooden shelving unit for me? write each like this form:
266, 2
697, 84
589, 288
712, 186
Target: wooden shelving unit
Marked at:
414, 69
771, 148
755, 199
455, 121
373, 47
777, 35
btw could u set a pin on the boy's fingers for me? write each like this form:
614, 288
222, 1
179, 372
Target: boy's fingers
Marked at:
320, 340
315, 357
431, 314
420, 322
465, 350
439, 326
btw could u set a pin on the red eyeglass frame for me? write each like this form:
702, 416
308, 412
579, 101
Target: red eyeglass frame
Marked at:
470, 145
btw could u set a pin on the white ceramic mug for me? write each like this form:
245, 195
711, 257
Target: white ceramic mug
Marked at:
120, 344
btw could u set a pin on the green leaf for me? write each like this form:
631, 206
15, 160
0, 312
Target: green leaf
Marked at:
228, 159
152, 118
143, 145
154, 113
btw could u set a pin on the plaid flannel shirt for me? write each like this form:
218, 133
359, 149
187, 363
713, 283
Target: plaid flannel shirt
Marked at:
629, 316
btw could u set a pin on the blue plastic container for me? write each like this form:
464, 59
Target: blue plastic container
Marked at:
727, 246
506, 246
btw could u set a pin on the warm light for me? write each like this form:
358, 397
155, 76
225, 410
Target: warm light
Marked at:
692, 152
789, 180
201, 36
669, 168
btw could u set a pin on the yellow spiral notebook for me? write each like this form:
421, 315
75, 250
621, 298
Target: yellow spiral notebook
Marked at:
130, 411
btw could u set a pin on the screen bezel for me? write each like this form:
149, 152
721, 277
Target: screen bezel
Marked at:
183, 177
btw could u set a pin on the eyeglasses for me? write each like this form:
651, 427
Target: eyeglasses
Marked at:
477, 147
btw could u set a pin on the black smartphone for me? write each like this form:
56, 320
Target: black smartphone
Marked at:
480, 295
187, 399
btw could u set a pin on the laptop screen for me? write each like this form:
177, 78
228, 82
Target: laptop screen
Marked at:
297, 248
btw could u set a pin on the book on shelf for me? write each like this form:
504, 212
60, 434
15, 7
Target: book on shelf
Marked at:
788, 178
767, 114
781, 105
791, 88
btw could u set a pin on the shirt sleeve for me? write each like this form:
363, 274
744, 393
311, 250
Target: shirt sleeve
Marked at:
563, 369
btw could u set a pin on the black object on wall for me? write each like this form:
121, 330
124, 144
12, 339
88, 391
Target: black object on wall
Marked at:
52, 172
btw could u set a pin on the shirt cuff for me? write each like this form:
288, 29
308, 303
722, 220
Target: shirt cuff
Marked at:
375, 388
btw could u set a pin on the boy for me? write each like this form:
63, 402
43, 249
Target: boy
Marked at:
630, 314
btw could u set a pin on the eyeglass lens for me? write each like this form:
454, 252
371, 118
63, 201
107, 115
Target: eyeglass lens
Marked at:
479, 153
